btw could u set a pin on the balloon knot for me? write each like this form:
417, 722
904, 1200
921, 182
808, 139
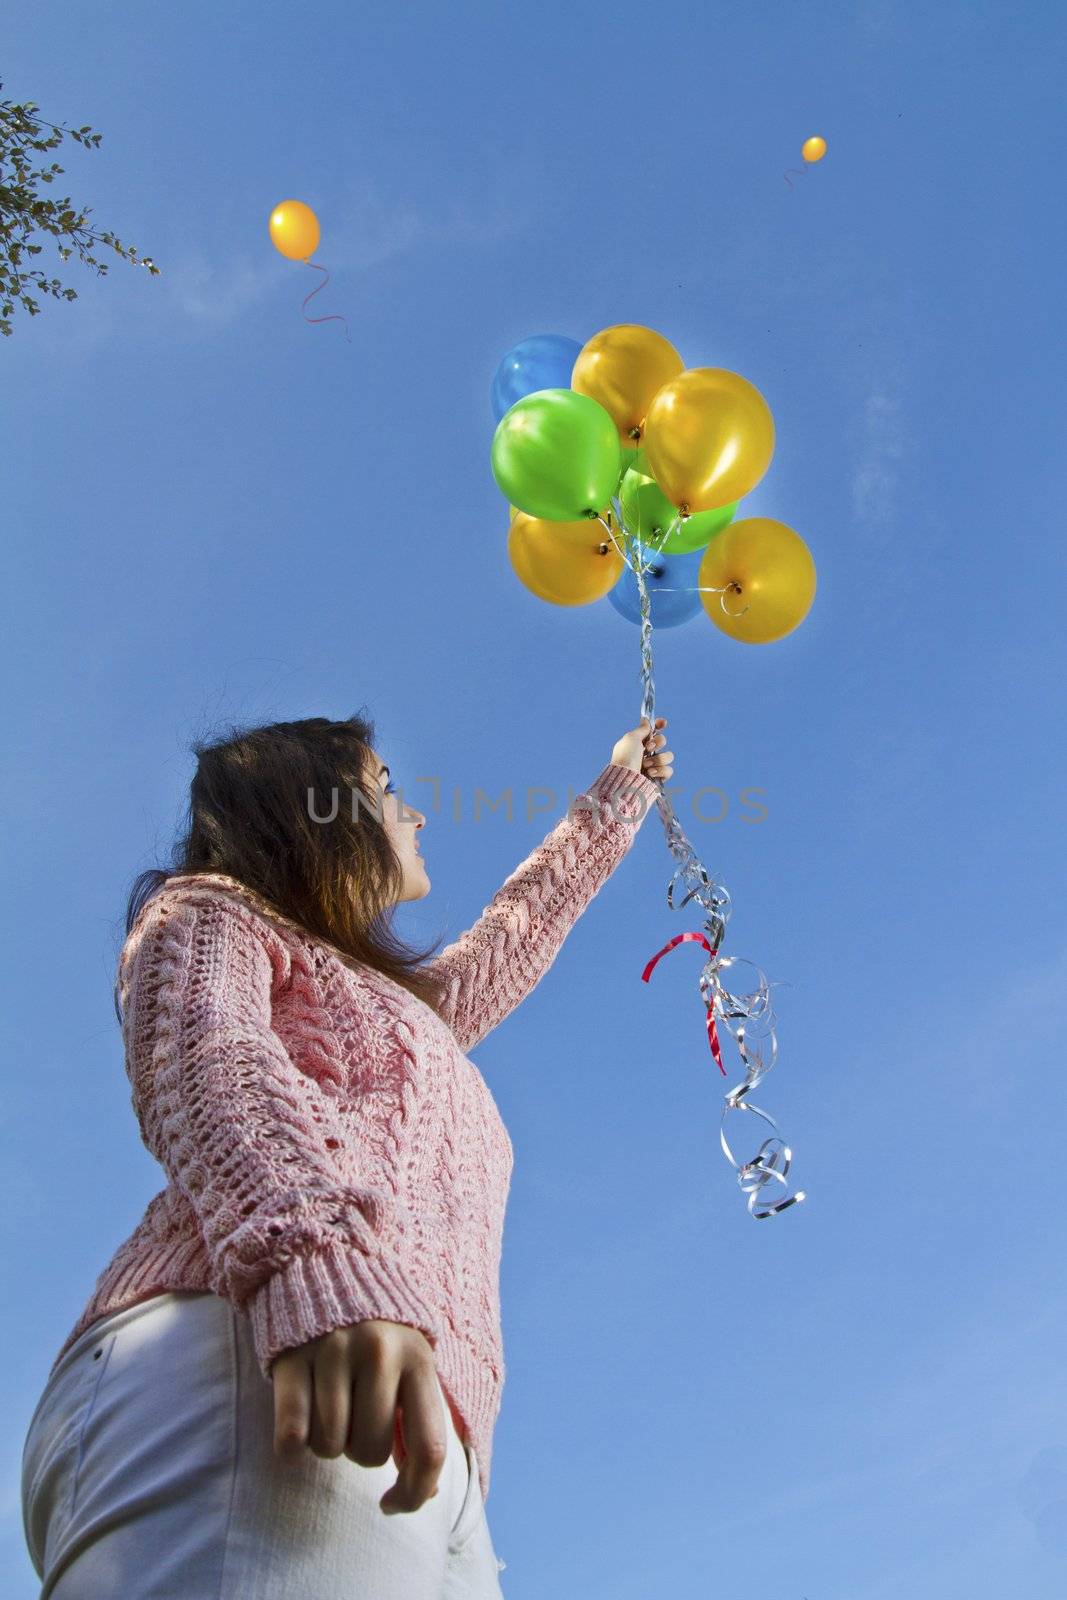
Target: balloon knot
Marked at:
635, 433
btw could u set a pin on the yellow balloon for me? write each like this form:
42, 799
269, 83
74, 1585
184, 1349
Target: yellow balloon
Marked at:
709, 438
813, 149
621, 368
294, 230
563, 562
768, 574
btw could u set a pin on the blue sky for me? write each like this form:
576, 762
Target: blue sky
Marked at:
219, 513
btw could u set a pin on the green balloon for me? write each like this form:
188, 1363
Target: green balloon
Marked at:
647, 511
556, 455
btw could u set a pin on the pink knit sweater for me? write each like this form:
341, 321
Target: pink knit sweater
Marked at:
332, 1153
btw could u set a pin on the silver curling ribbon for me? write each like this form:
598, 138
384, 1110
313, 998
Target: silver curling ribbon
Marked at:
749, 1017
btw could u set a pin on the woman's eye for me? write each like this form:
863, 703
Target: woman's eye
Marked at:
390, 787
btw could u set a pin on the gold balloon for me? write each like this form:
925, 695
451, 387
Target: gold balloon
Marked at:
813, 149
563, 562
294, 230
771, 577
709, 438
622, 367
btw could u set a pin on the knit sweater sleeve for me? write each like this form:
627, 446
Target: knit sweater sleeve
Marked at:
483, 975
247, 1137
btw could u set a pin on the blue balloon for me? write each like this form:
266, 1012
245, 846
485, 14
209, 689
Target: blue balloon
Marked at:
544, 361
671, 582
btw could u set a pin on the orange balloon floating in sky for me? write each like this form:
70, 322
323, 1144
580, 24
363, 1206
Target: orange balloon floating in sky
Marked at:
294, 233
813, 149
294, 230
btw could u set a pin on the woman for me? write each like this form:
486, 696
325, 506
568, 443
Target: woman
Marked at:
318, 1280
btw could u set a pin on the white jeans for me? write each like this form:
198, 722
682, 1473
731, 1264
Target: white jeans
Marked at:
149, 1473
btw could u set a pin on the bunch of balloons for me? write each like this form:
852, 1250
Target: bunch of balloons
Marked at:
624, 470
617, 437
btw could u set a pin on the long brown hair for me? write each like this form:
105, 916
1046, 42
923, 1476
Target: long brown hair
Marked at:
274, 807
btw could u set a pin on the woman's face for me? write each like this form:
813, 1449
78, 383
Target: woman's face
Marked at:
402, 824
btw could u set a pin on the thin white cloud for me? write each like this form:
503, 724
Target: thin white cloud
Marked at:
367, 228
877, 20
360, 231
967, 1423
883, 441
359, 234
205, 287
216, 292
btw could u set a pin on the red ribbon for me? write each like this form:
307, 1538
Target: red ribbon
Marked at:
713, 1034
333, 317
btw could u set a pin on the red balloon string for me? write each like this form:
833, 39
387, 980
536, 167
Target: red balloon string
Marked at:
713, 1032
333, 317
788, 170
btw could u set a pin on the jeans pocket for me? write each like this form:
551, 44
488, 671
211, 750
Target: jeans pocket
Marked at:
472, 1510
96, 1361
52, 1451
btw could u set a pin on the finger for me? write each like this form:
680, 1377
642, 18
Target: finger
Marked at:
425, 1438
372, 1424
292, 1406
331, 1382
